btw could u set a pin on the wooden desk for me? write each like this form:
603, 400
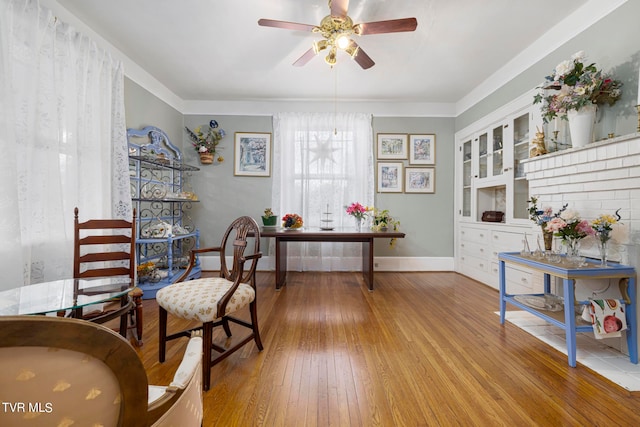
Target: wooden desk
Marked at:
569, 274
316, 235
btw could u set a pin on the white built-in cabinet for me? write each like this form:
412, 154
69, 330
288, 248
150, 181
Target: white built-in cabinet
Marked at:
490, 177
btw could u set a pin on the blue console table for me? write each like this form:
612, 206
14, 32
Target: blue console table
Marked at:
592, 270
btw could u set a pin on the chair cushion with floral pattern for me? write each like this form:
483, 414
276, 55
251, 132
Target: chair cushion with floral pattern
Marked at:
198, 301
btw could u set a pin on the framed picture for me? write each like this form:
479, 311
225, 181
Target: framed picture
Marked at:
422, 149
252, 154
390, 177
392, 146
420, 180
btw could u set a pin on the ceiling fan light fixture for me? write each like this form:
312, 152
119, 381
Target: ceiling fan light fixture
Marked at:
337, 29
331, 57
343, 41
319, 46
352, 50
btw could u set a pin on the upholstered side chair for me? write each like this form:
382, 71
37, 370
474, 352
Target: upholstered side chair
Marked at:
211, 301
61, 372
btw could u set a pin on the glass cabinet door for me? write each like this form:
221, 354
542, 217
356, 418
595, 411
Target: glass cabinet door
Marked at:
520, 152
466, 178
491, 159
483, 155
520, 144
497, 157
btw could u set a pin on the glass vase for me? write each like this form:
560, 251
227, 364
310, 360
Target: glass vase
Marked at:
358, 223
573, 252
603, 247
573, 247
548, 239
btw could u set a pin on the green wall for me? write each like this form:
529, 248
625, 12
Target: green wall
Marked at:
144, 109
426, 218
223, 196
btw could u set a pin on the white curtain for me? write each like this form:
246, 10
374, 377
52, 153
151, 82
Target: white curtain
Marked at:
63, 139
322, 163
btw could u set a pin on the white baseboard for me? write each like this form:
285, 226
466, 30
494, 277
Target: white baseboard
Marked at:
267, 263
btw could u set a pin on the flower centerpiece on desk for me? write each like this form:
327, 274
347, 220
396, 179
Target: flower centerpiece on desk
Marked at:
358, 212
571, 228
576, 85
206, 143
542, 217
382, 220
603, 226
292, 221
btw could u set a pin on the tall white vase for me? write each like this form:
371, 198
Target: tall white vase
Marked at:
581, 125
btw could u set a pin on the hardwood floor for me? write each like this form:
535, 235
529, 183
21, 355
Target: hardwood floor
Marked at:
423, 349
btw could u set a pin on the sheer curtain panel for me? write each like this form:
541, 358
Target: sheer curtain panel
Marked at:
63, 139
322, 163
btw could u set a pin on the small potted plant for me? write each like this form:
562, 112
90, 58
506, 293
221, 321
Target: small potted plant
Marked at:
382, 221
269, 219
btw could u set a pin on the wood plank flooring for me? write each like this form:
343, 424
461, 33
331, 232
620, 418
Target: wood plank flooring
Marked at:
423, 349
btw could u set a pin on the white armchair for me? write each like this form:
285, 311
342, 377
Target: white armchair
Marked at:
180, 403
58, 371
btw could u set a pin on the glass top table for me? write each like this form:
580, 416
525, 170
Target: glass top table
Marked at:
62, 295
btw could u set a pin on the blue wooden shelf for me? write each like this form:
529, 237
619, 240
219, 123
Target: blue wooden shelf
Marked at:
590, 270
157, 175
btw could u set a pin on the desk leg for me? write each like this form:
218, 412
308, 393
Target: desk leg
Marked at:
503, 287
367, 263
632, 321
281, 263
570, 320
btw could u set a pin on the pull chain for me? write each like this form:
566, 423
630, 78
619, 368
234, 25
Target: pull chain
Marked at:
335, 101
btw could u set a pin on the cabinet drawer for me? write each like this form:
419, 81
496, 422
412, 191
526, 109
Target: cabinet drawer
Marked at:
504, 241
474, 249
518, 281
478, 235
475, 262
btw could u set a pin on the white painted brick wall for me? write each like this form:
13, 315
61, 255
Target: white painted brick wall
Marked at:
595, 179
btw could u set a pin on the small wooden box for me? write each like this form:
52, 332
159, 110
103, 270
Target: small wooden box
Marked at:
492, 216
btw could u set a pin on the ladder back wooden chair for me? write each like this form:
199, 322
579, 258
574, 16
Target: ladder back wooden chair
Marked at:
212, 300
105, 248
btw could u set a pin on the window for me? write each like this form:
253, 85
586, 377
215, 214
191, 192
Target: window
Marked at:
322, 163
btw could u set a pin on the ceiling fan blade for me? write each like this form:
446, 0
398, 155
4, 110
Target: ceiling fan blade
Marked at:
391, 26
362, 58
286, 25
339, 7
306, 57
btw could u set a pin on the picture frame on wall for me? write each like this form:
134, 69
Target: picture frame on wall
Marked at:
422, 149
420, 180
252, 154
390, 177
392, 146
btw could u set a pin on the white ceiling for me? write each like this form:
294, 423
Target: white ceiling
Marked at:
215, 50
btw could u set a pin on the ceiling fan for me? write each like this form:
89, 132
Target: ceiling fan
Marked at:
337, 28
